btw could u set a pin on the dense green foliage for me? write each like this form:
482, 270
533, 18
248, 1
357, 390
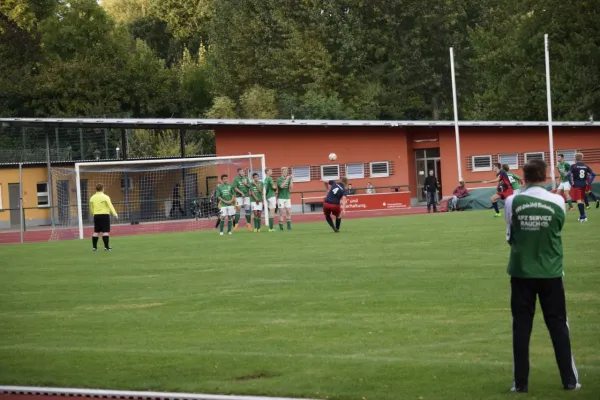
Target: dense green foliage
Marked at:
354, 59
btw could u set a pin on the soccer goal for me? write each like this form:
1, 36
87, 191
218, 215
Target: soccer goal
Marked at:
150, 196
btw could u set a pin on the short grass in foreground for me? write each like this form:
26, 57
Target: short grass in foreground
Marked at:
392, 308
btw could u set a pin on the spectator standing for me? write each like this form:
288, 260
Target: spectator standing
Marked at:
431, 189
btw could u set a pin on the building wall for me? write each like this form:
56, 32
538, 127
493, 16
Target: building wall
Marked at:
34, 215
301, 146
311, 146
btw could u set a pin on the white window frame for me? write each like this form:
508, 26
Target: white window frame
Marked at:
526, 155
130, 179
355, 176
570, 160
511, 166
481, 169
330, 177
296, 178
46, 193
382, 174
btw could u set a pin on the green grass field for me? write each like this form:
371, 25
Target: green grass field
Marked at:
413, 307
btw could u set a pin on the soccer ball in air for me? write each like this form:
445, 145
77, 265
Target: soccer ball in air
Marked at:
333, 156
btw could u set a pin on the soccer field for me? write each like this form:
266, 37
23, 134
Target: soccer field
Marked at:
413, 307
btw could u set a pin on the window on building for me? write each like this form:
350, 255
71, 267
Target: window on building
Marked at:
42, 194
569, 155
534, 156
330, 172
380, 169
130, 183
301, 174
512, 160
355, 171
482, 163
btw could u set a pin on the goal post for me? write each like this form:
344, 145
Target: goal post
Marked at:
150, 196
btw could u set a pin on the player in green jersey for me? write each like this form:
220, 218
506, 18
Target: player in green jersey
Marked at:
241, 185
514, 179
227, 201
284, 185
534, 221
564, 187
257, 189
271, 193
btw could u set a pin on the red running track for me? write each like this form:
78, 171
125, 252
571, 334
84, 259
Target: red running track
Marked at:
47, 234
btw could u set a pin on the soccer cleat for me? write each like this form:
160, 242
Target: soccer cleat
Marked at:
336, 231
571, 208
497, 215
576, 386
289, 228
255, 230
94, 249
107, 248
587, 207
229, 233
249, 228
235, 228
582, 219
597, 203
515, 389
221, 233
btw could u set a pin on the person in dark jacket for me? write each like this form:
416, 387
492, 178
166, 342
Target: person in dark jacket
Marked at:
431, 189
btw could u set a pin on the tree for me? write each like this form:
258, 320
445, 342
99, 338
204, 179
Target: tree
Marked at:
223, 108
259, 103
127, 11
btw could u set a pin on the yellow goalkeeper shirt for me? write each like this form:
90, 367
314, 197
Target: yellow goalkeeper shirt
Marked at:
101, 204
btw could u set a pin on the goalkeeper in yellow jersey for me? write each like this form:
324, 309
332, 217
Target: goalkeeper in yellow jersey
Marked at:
101, 208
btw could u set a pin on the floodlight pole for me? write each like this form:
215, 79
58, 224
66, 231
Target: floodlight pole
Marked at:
456, 129
549, 97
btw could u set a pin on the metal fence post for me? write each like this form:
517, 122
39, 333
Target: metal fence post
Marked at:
21, 211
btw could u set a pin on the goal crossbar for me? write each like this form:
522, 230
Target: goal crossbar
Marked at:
83, 165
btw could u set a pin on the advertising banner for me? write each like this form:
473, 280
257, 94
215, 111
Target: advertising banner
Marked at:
378, 201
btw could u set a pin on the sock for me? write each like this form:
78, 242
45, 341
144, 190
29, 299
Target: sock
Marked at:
237, 218
338, 223
586, 201
105, 240
570, 203
495, 205
258, 221
271, 223
255, 222
95, 241
222, 225
289, 223
329, 221
248, 216
280, 224
581, 209
229, 225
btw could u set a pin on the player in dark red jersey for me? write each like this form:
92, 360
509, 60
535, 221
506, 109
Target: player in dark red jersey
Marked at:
504, 188
580, 175
335, 202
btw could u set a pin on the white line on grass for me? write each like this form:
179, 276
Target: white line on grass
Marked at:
125, 394
346, 357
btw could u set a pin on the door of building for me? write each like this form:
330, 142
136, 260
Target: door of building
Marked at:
14, 203
427, 160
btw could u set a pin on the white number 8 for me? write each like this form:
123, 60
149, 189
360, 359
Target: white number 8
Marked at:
582, 173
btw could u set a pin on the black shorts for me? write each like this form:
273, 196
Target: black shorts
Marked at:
101, 223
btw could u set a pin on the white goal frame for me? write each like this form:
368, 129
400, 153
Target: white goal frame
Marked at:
81, 165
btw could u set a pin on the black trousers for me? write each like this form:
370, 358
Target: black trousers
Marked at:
551, 293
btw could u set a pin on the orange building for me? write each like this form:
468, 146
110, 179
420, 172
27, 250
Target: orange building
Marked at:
393, 155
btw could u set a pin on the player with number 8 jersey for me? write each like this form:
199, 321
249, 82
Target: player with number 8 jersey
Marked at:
579, 176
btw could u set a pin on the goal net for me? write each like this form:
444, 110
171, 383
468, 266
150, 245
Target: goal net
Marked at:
150, 196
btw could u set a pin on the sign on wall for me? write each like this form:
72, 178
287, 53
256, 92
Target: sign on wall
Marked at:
378, 201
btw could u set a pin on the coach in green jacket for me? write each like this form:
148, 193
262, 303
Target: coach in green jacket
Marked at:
535, 218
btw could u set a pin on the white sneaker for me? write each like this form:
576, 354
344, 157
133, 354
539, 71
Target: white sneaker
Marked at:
221, 233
